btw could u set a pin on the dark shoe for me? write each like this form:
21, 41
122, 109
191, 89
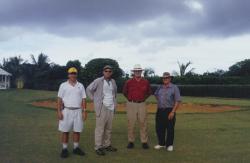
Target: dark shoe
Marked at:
130, 145
145, 146
100, 152
78, 151
64, 153
110, 149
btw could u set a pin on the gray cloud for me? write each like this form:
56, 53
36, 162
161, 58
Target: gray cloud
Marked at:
131, 19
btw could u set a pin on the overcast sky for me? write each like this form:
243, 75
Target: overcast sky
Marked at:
212, 34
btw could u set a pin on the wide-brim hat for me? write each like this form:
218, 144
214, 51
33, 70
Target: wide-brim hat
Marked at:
137, 67
167, 75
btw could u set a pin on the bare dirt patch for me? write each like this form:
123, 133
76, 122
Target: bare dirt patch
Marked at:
184, 108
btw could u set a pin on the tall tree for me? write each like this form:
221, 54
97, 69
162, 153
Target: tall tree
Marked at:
75, 63
241, 68
41, 71
149, 72
42, 60
94, 69
183, 67
14, 66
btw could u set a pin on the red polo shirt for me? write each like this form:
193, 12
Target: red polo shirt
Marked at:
137, 90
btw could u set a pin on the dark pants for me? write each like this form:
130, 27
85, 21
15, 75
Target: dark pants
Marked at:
165, 126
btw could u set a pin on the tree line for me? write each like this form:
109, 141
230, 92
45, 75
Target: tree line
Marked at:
40, 73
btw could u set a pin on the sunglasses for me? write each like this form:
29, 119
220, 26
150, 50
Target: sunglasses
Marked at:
73, 73
108, 71
165, 78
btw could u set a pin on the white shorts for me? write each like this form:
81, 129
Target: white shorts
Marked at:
72, 120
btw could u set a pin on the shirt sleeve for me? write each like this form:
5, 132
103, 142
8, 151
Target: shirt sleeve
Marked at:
91, 89
60, 91
83, 92
177, 95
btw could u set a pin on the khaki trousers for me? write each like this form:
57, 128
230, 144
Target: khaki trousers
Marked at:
137, 111
103, 128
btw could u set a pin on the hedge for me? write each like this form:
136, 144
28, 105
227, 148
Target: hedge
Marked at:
229, 91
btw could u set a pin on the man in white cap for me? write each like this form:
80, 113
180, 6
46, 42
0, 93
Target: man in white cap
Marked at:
137, 90
71, 111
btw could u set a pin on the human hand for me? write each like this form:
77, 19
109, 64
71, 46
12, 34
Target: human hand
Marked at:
84, 115
60, 115
171, 115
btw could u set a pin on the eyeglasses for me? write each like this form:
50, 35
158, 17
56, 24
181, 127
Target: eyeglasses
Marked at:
73, 73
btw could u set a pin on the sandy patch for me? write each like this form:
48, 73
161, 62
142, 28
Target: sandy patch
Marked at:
184, 108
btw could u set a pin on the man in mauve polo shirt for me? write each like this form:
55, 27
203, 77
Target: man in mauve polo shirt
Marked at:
137, 90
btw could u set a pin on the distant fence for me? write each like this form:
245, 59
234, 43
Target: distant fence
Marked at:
233, 91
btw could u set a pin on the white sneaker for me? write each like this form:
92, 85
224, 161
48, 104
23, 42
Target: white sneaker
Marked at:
170, 148
159, 146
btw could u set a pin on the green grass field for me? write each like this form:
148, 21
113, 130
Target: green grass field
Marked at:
29, 134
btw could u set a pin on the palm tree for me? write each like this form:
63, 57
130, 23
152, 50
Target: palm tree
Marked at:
14, 66
183, 68
42, 60
41, 70
149, 72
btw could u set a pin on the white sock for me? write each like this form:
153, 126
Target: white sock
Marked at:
76, 144
65, 145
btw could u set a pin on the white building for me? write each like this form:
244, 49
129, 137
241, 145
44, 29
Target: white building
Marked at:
4, 79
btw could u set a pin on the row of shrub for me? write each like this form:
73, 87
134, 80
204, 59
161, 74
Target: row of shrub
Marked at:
205, 80
233, 91
230, 91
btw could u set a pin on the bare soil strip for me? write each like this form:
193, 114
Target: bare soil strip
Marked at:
184, 108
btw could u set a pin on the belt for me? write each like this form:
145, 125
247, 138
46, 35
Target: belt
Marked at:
72, 108
166, 108
135, 101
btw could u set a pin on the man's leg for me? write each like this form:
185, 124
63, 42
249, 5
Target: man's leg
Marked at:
170, 131
99, 131
77, 127
132, 117
76, 139
65, 139
160, 124
142, 115
108, 132
108, 129
65, 125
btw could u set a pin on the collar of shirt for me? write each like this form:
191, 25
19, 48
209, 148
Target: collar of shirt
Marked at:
71, 84
140, 79
168, 86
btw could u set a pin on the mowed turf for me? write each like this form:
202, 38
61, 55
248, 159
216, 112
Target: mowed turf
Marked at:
30, 135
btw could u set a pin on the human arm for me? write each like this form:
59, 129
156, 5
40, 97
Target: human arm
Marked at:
125, 89
59, 108
177, 98
84, 111
91, 90
149, 91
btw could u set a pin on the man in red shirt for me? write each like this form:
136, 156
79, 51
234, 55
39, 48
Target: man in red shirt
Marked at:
137, 90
